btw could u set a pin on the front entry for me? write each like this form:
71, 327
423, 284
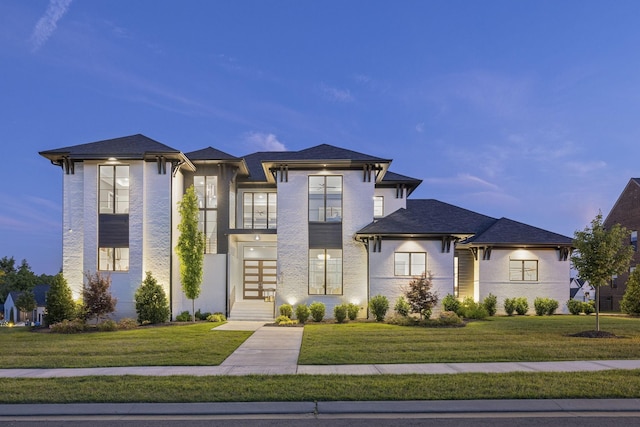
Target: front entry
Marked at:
260, 278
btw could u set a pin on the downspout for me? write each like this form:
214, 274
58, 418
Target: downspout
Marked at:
176, 168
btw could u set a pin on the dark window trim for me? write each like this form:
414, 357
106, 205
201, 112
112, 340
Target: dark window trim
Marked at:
410, 268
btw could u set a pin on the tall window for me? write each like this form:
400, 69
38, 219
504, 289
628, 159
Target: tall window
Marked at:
206, 190
378, 206
259, 210
113, 222
325, 271
634, 240
325, 198
114, 189
523, 270
410, 263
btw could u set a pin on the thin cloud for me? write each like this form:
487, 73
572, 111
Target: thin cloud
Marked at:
335, 94
464, 180
48, 23
264, 141
420, 127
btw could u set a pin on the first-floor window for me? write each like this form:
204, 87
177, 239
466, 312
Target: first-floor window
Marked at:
409, 263
113, 259
325, 271
523, 270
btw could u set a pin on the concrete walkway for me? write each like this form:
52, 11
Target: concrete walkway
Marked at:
275, 351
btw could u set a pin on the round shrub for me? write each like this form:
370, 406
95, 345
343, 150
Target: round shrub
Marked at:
286, 310
317, 310
574, 306
185, 316
402, 307
379, 305
127, 323
522, 306
451, 303
490, 302
509, 306
216, 317
340, 313
352, 311
107, 326
552, 306
588, 308
302, 313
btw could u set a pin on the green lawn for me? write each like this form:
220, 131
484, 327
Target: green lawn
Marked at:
529, 338
188, 344
609, 384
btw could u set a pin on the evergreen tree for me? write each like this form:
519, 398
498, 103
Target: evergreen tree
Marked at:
151, 301
96, 296
26, 303
60, 305
600, 254
190, 248
630, 303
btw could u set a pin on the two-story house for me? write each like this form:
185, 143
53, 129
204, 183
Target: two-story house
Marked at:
321, 224
626, 212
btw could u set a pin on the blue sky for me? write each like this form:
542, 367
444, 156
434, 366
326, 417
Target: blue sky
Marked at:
522, 109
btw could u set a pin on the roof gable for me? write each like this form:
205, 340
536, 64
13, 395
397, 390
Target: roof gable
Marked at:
509, 232
209, 153
131, 147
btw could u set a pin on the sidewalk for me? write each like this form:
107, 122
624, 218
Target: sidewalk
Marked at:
275, 351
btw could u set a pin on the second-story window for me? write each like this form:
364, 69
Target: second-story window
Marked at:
259, 210
325, 198
634, 240
114, 189
113, 219
206, 190
378, 206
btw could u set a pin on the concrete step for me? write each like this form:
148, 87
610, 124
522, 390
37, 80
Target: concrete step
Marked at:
252, 310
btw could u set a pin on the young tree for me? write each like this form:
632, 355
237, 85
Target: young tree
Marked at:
151, 301
419, 295
26, 302
96, 296
190, 248
60, 305
600, 254
630, 303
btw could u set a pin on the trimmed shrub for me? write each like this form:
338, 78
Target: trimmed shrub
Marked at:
352, 311
107, 326
185, 316
509, 306
490, 303
588, 307
216, 317
286, 310
69, 326
544, 306
402, 307
552, 306
283, 320
127, 323
340, 312
522, 306
448, 318
152, 305
450, 303
630, 303
317, 310
470, 309
302, 313
574, 306
379, 305
202, 316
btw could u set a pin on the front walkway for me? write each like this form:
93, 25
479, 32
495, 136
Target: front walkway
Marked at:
275, 351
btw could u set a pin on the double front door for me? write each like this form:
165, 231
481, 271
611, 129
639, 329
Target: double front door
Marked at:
260, 278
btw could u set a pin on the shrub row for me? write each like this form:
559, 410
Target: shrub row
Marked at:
576, 307
78, 325
544, 306
316, 310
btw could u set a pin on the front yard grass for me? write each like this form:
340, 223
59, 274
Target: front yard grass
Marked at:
287, 388
498, 339
179, 345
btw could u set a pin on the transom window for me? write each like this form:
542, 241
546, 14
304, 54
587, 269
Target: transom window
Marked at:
206, 191
114, 189
325, 271
378, 206
325, 198
410, 263
259, 210
523, 270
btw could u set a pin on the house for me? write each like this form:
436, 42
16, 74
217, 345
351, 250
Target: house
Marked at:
13, 314
581, 290
626, 212
321, 224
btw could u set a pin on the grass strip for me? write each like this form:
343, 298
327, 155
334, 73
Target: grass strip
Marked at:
283, 388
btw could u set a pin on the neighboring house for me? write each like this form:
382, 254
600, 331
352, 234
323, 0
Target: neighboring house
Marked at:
626, 212
321, 224
581, 290
11, 312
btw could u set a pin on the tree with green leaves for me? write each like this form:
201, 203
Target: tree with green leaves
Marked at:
60, 305
600, 254
630, 303
419, 296
151, 301
26, 302
190, 247
96, 296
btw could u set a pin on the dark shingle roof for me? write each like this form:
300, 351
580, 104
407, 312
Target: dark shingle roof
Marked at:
39, 293
393, 177
506, 231
130, 147
429, 216
209, 153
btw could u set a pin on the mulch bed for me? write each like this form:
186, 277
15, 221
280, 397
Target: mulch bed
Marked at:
594, 334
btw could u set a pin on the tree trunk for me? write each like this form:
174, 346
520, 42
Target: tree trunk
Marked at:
598, 308
193, 310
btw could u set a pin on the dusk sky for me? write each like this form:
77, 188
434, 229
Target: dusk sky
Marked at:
528, 110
